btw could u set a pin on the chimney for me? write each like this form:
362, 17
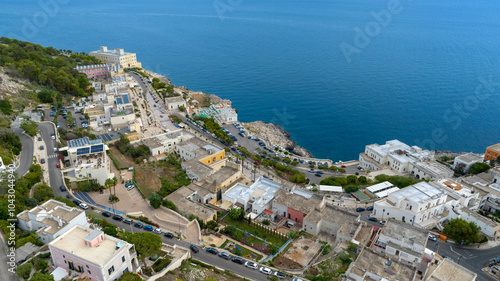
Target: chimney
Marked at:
104, 49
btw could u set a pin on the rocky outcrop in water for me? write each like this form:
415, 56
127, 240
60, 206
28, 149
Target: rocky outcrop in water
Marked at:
277, 136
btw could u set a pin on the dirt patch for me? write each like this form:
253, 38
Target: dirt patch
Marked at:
302, 251
286, 263
119, 159
191, 272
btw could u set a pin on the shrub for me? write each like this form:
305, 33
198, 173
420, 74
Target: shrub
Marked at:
24, 270
266, 222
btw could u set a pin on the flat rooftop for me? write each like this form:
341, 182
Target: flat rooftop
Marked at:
296, 202
174, 100
371, 262
400, 230
419, 192
268, 190
448, 270
73, 242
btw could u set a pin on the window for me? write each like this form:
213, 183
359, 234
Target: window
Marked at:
80, 268
89, 271
111, 270
70, 265
123, 258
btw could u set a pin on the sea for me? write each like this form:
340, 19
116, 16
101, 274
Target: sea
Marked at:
337, 74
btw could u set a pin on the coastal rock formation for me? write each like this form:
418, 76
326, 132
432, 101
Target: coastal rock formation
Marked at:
276, 135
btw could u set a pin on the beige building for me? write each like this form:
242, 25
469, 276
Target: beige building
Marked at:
116, 56
448, 270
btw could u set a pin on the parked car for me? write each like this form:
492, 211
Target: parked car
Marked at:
77, 202
128, 221
238, 260
41, 147
432, 237
251, 265
382, 222
212, 251
129, 184
369, 208
280, 275
148, 228
266, 270
360, 209
372, 219
157, 231
194, 248
138, 225
118, 217
84, 206
168, 235
58, 165
106, 214
225, 255
63, 188
53, 135
297, 279
130, 187
42, 161
447, 257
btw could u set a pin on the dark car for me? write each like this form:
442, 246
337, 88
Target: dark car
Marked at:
238, 260
62, 187
225, 255
360, 209
168, 235
138, 225
212, 251
118, 217
77, 202
128, 221
68, 196
148, 228
106, 214
318, 174
369, 208
194, 248
372, 219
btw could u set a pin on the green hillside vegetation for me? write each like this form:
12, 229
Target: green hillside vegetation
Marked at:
46, 66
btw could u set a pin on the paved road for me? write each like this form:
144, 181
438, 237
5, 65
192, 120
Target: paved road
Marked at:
202, 255
54, 173
26, 158
472, 259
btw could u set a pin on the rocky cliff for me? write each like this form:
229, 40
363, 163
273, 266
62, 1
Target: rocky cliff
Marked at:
277, 136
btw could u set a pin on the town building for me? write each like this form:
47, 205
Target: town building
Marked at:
201, 159
459, 194
95, 71
371, 265
116, 56
383, 189
422, 204
173, 103
88, 159
489, 227
445, 269
189, 200
492, 152
255, 198
295, 205
228, 115
465, 161
162, 144
51, 219
430, 170
403, 242
93, 255
326, 218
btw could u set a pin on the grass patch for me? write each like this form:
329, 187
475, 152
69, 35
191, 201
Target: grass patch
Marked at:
255, 231
243, 253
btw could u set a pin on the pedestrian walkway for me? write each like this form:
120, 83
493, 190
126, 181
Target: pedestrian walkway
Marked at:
83, 196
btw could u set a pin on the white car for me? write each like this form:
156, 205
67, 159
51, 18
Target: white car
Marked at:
157, 231
266, 270
84, 206
251, 265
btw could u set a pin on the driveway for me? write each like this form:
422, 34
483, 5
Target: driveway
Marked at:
26, 156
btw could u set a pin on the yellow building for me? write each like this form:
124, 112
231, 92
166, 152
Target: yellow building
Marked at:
116, 56
214, 158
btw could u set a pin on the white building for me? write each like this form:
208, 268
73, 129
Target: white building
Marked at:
174, 103
488, 227
465, 161
51, 219
431, 170
228, 115
383, 189
403, 242
162, 144
88, 160
420, 204
91, 254
257, 197
459, 194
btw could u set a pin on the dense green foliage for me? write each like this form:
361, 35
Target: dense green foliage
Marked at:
146, 244
140, 152
398, 181
6, 107
460, 230
129, 276
155, 200
157, 84
10, 146
30, 127
478, 168
236, 214
168, 204
43, 192
214, 128
42, 277
45, 66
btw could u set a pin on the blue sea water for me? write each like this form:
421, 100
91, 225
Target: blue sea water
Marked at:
416, 77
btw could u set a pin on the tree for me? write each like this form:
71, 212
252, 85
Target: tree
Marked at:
169, 204
298, 178
24, 270
46, 96
30, 127
351, 189
293, 234
155, 200
362, 179
42, 277
460, 230
352, 179
478, 168
6, 107
273, 249
266, 222
43, 192
236, 214
182, 108
146, 244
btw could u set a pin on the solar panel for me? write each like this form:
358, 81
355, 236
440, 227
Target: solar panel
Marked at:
119, 100
125, 99
82, 151
97, 148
